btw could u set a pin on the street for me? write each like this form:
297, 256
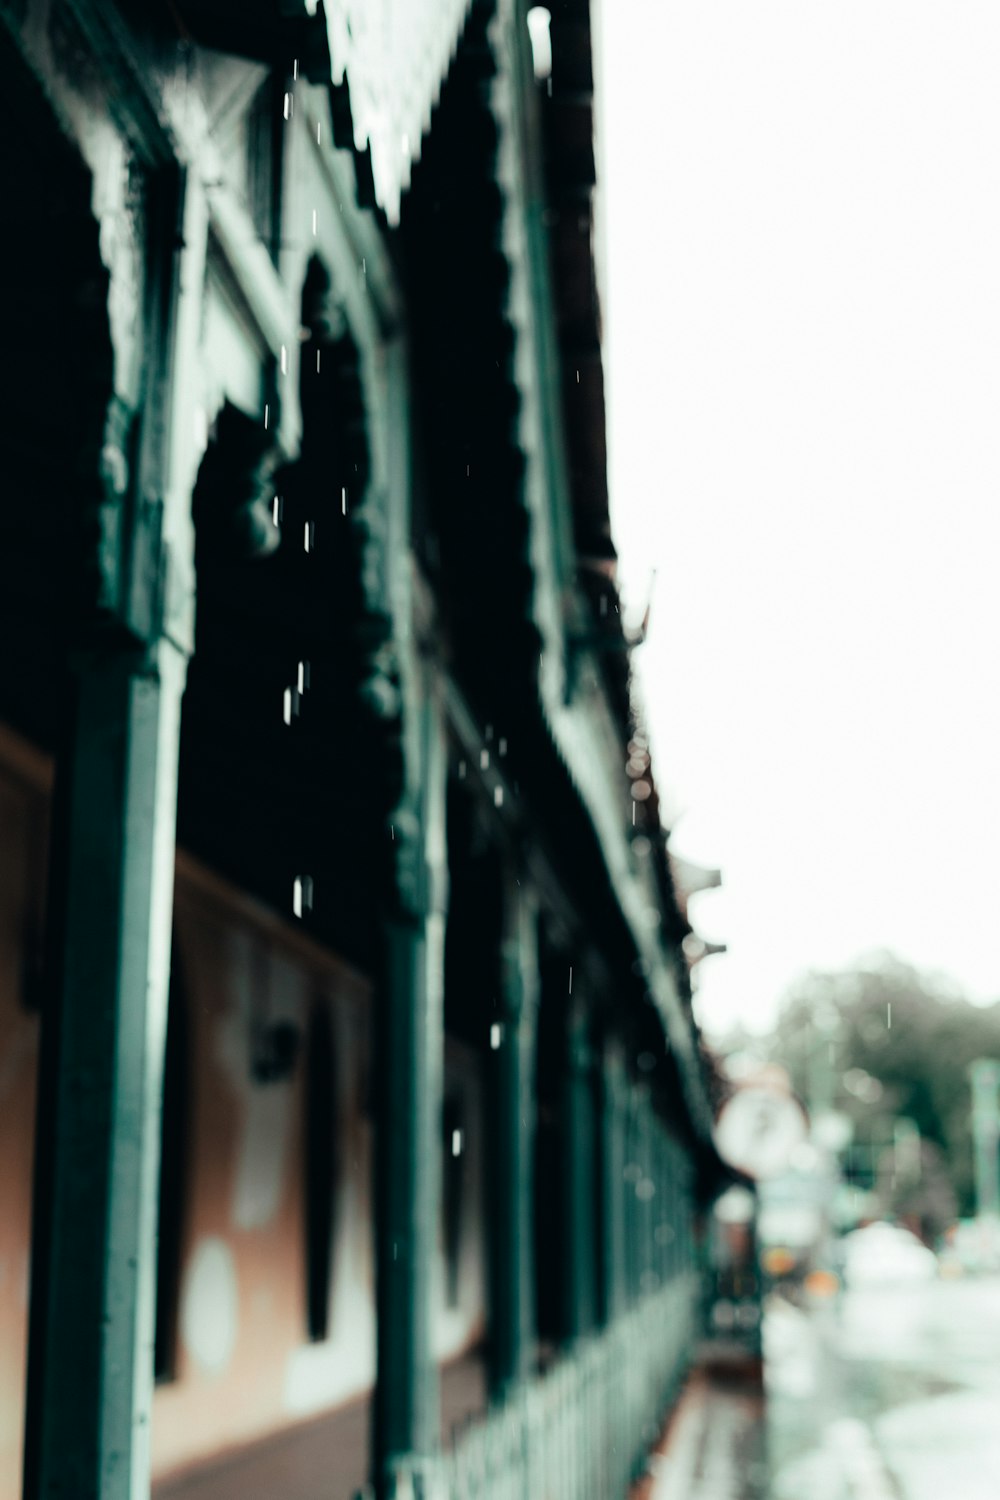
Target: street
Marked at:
891, 1392
884, 1394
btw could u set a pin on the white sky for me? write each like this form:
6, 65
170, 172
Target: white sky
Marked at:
802, 233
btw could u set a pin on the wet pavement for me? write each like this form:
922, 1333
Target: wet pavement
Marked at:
715, 1445
888, 1392
884, 1394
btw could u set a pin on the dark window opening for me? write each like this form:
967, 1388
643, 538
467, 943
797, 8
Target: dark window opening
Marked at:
550, 1153
453, 1192
547, 1234
174, 1131
320, 1171
265, 124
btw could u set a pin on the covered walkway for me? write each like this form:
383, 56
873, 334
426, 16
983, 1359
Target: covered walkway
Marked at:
714, 1446
327, 1456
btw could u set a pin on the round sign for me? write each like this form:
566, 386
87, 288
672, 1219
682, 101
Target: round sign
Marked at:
758, 1130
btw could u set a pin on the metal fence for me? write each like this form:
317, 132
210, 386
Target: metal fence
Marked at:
582, 1430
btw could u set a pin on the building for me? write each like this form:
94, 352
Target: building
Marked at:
314, 676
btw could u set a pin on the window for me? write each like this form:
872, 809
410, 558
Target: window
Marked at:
320, 1170
265, 124
453, 1187
174, 1133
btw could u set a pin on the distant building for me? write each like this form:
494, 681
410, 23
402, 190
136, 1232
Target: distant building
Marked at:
314, 678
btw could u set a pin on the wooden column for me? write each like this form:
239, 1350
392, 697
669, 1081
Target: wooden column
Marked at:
662, 1214
613, 1281
633, 1176
646, 1195
90, 1359
660, 1200
103, 1035
409, 1060
689, 1249
671, 1216
579, 1139
511, 1190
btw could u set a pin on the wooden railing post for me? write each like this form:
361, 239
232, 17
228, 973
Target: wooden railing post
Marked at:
613, 1290
91, 1324
410, 1042
512, 1258
579, 1179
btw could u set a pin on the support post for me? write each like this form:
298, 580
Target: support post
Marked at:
633, 1174
656, 1207
579, 1178
646, 1195
613, 1186
674, 1207
511, 1262
664, 1211
411, 1051
688, 1249
91, 1322
93, 1242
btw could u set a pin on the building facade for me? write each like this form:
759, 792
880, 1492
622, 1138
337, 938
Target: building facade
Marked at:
355, 1119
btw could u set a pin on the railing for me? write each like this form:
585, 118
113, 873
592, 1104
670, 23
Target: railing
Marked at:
581, 1431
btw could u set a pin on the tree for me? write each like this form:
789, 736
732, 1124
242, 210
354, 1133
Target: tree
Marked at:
883, 1042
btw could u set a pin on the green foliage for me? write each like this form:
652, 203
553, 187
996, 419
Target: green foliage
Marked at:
915, 1035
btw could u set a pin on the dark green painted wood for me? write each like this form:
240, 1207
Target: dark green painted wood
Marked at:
579, 1138
673, 1212
662, 1215
511, 1192
91, 1323
406, 1373
93, 1245
646, 1196
613, 1281
409, 1063
633, 1171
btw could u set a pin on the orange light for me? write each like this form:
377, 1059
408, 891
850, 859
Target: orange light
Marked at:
777, 1261
822, 1284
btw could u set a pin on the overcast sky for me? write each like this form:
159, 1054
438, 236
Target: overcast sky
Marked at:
802, 230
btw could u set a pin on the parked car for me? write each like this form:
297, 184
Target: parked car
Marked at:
884, 1254
972, 1247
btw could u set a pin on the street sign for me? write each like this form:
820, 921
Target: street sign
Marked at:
833, 1130
758, 1129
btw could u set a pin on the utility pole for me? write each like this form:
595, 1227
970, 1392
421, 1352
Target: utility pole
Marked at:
985, 1076
822, 1085
906, 1151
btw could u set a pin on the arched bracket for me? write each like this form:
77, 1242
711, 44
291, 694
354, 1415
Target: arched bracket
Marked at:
233, 505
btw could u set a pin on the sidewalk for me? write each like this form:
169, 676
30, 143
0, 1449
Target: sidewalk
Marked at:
323, 1458
714, 1445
